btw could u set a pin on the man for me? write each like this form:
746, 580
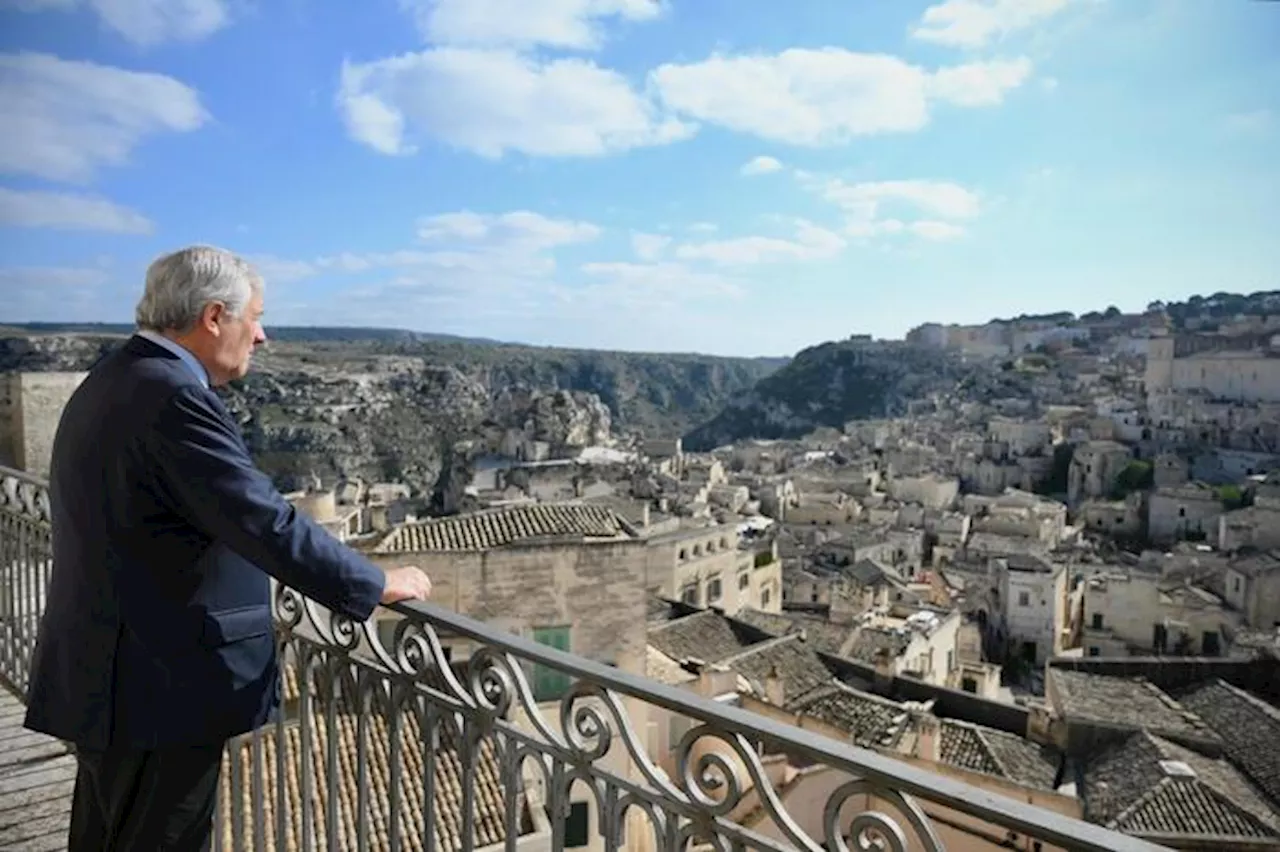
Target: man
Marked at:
156, 643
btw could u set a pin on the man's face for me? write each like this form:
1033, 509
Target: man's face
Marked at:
237, 338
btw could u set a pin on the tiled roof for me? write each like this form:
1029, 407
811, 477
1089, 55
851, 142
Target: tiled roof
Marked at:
1130, 702
489, 795
790, 658
658, 666
870, 641
705, 636
1148, 785
507, 525
659, 610
868, 719
1249, 727
1257, 564
824, 636
998, 753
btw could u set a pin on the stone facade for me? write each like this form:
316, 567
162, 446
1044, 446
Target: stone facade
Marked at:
30, 407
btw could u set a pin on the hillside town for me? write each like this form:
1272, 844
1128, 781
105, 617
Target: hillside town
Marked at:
1070, 597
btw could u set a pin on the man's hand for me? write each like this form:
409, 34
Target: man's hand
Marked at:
406, 583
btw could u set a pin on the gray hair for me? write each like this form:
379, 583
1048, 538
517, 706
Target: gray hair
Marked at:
181, 284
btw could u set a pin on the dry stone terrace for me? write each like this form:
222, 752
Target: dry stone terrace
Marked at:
408, 748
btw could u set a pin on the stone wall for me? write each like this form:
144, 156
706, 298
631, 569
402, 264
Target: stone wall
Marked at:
30, 407
596, 589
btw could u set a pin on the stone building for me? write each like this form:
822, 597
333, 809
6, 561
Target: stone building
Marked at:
570, 576
708, 566
1244, 375
1095, 467
30, 406
1139, 611
1034, 606
1253, 587
1189, 511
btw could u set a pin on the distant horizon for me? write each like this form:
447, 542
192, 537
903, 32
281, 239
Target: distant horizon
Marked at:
68, 327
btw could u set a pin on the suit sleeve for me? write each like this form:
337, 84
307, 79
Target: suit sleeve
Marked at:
206, 472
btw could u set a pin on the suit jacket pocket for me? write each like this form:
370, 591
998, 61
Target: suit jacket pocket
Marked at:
234, 625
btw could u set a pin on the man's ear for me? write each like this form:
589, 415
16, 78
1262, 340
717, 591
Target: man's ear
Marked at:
211, 317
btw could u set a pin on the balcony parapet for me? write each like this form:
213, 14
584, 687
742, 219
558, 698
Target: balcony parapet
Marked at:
437, 740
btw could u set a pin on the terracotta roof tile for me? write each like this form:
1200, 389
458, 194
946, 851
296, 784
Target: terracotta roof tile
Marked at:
1148, 785
869, 720
489, 794
998, 753
704, 635
1249, 727
507, 525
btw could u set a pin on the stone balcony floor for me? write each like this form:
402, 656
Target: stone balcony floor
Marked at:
36, 778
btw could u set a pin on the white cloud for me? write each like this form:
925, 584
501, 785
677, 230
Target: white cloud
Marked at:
279, 270
704, 227
810, 243
937, 198
521, 230
640, 285
761, 166
826, 96
148, 22
979, 84
866, 228
565, 24
925, 208
64, 118
977, 23
493, 102
462, 246
649, 246
934, 230
151, 22
37, 209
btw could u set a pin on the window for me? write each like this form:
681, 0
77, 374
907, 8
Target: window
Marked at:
1097, 621
1093, 652
548, 683
1024, 599
744, 580
713, 590
690, 595
765, 595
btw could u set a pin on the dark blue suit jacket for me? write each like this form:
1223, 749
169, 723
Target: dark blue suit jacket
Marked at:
157, 629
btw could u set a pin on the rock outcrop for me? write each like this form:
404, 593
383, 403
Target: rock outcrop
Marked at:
388, 409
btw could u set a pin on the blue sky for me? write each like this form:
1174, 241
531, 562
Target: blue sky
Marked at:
727, 176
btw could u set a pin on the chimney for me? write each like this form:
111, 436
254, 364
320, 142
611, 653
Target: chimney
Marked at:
644, 516
928, 737
774, 692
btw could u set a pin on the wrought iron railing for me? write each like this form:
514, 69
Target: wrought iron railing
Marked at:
436, 740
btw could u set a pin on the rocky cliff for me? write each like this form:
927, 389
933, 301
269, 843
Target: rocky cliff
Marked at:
389, 408
833, 383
